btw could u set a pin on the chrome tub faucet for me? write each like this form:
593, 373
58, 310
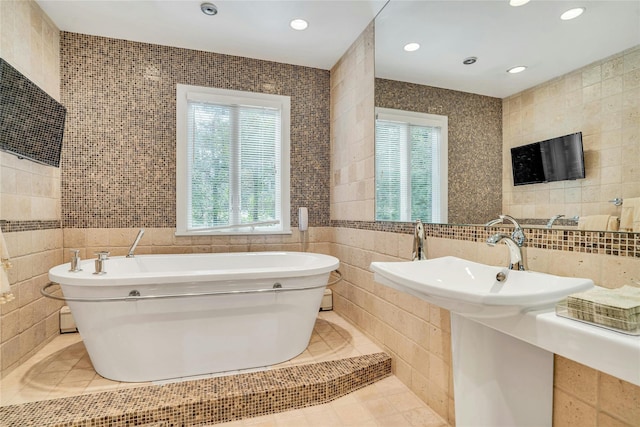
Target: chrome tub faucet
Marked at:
419, 252
100, 262
135, 243
75, 261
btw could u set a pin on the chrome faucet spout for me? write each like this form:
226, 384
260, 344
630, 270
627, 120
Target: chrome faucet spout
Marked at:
419, 251
135, 243
493, 222
553, 219
515, 251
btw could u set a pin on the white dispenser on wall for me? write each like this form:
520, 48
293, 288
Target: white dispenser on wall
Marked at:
303, 219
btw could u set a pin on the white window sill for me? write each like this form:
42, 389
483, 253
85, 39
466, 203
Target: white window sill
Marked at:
232, 233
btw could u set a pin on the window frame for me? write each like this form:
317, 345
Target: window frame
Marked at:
184, 93
428, 120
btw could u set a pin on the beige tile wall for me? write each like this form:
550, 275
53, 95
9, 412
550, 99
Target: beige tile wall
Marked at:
29, 321
417, 334
352, 132
29, 192
603, 101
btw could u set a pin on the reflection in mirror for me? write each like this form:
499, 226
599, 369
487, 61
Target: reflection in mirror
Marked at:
474, 145
411, 166
581, 76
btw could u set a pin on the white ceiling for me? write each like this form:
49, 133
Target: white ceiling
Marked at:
254, 29
501, 36
449, 31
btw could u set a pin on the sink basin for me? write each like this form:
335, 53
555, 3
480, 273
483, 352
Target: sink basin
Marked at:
472, 289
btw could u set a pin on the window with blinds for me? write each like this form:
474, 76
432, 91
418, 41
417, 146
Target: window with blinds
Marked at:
411, 166
232, 162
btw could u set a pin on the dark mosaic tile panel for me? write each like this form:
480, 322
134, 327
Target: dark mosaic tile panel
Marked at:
596, 242
8, 226
475, 143
31, 121
118, 160
206, 401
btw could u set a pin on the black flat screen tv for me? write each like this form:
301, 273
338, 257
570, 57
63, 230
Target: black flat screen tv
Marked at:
555, 159
31, 121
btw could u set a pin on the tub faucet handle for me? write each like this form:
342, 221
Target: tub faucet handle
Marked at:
102, 257
75, 260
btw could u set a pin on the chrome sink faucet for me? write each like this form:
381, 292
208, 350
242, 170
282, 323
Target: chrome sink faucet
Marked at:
419, 251
513, 242
135, 243
515, 251
518, 233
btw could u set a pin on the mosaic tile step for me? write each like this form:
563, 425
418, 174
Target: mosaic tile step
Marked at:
206, 401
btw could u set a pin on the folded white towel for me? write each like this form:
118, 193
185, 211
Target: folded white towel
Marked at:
630, 214
598, 223
5, 264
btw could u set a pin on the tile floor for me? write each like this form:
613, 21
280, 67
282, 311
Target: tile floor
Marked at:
63, 369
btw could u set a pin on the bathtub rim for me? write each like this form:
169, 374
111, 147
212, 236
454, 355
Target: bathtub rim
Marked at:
323, 263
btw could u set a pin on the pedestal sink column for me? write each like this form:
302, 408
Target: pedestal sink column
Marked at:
499, 380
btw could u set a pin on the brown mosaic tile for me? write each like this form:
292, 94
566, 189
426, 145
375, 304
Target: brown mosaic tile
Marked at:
596, 242
475, 142
118, 160
206, 401
8, 226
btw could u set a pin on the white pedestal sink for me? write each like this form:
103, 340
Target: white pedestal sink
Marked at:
499, 380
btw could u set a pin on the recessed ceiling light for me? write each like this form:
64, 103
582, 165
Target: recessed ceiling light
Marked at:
516, 3
470, 60
572, 13
411, 47
209, 9
299, 24
518, 69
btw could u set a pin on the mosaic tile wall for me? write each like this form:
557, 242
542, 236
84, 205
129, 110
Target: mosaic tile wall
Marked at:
475, 143
206, 401
118, 160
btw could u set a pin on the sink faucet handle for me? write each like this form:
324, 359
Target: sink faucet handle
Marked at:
518, 232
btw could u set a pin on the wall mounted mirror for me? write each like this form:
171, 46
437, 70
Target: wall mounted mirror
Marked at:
459, 70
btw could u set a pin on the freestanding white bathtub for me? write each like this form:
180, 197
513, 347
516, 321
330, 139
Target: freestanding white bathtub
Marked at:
157, 317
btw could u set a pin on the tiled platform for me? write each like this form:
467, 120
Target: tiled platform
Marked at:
58, 387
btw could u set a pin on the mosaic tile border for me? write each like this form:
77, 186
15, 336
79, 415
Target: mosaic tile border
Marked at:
595, 242
206, 401
9, 226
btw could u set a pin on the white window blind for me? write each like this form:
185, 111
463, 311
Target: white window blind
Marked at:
231, 164
410, 181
